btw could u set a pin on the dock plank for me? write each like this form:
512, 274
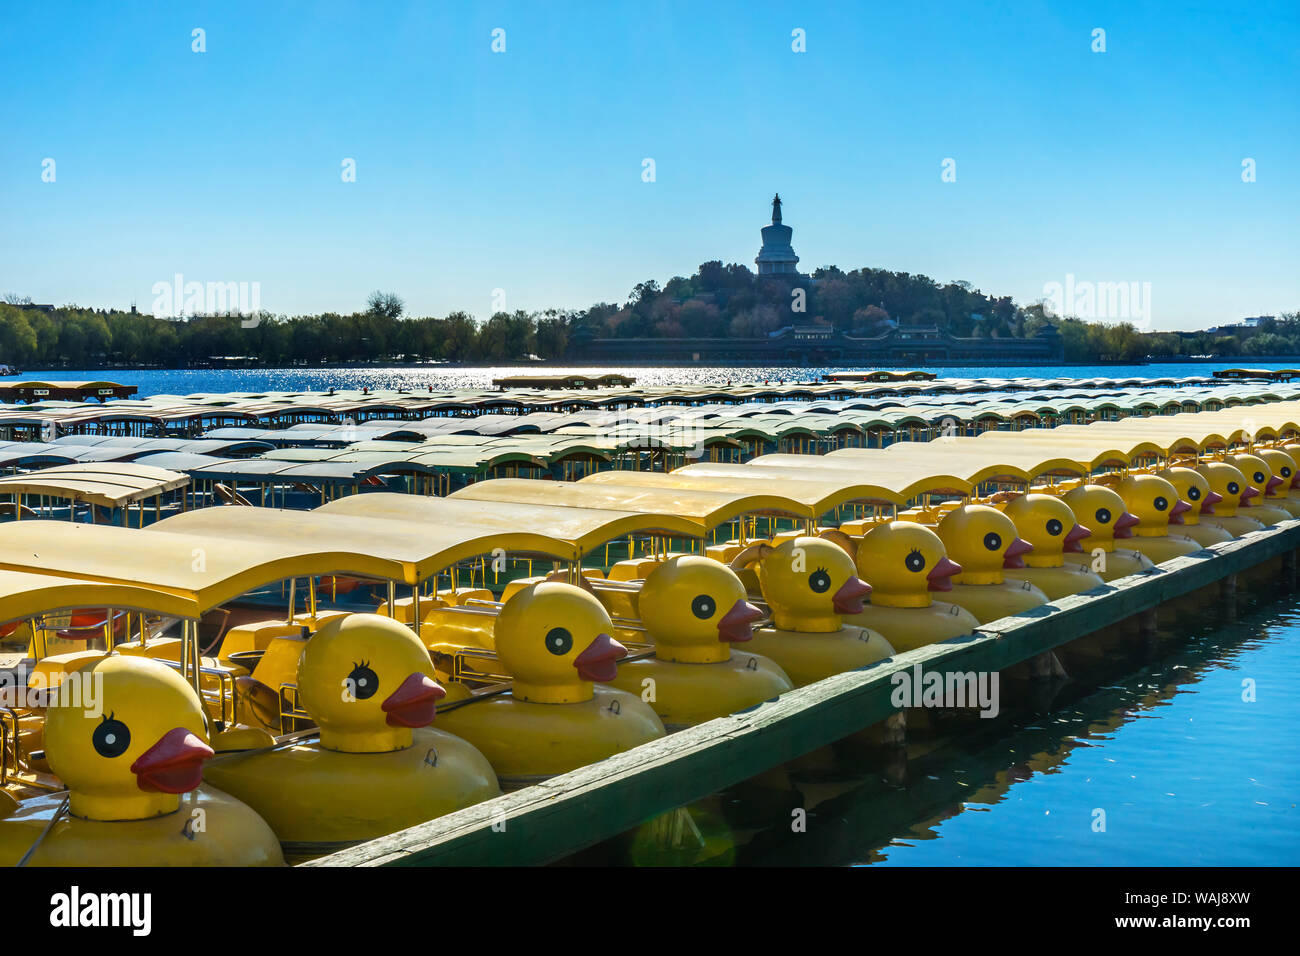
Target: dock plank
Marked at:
553, 819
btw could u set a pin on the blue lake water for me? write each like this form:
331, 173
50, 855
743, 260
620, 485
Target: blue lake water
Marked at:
186, 381
1186, 771
1149, 756
1190, 774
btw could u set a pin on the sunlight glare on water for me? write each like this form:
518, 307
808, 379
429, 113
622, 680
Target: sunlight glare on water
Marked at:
421, 377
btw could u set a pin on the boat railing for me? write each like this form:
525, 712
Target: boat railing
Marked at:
223, 696
9, 758
460, 663
291, 710
492, 608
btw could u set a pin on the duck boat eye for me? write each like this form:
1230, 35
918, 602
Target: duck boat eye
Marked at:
703, 607
1194, 493
111, 738
1054, 527
915, 561
819, 581
1161, 504
1103, 515
993, 541
559, 641
362, 682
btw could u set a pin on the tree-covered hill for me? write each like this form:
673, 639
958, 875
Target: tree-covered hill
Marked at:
716, 301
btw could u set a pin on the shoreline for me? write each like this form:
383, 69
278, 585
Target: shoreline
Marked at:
553, 364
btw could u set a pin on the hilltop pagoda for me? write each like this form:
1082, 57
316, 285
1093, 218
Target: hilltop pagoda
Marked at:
776, 257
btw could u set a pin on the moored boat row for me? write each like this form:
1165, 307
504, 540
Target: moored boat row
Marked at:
311, 730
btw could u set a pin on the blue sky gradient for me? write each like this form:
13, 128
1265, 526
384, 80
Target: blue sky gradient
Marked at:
522, 170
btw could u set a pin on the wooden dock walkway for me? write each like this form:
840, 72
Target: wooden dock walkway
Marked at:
556, 818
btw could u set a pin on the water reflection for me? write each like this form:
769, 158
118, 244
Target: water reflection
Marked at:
1148, 755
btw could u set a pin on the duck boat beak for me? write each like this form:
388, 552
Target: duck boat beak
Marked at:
1013, 557
174, 764
1178, 510
1124, 525
1250, 492
940, 578
848, 599
415, 702
1272, 485
599, 662
737, 625
1075, 535
1207, 506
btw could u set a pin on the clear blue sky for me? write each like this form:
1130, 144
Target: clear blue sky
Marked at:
522, 170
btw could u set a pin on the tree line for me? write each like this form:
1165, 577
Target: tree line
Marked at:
716, 301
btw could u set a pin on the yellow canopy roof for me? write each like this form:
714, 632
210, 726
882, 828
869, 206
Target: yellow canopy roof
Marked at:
1086, 451
580, 527
366, 545
875, 469
204, 569
109, 484
852, 485
706, 509
25, 594
920, 458
803, 499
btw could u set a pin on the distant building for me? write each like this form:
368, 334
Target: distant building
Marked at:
1244, 325
776, 257
805, 333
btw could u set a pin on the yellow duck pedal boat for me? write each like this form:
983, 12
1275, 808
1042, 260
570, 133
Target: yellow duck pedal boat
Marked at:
1260, 476
906, 564
1234, 493
367, 682
810, 584
1108, 518
1193, 488
126, 736
984, 542
553, 639
696, 613
1047, 523
1159, 510
1283, 467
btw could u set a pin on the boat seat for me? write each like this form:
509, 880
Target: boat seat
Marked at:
458, 596
724, 552
403, 608
229, 496
518, 584
51, 671
781, 537
305, 619
256, 636
459, 626
632, 569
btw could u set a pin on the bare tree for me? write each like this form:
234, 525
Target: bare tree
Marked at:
386, 304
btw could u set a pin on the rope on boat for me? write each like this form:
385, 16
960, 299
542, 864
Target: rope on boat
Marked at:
46, 832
